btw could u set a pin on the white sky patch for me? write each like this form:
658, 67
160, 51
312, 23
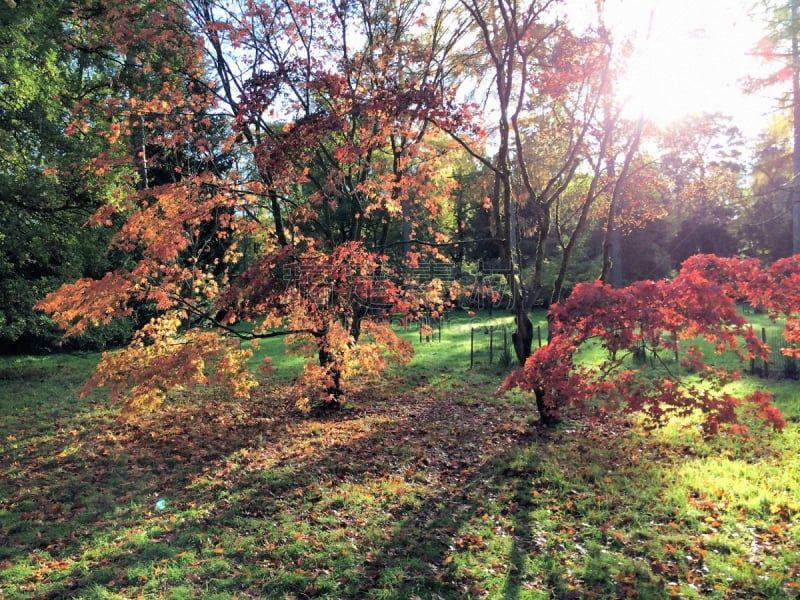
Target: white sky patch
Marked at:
689, 57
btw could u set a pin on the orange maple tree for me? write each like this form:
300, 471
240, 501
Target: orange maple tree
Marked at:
333, 176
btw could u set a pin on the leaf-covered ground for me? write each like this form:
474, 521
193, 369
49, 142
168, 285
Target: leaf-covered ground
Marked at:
425, 487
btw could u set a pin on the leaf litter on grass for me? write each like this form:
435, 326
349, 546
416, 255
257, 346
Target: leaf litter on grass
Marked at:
403, 493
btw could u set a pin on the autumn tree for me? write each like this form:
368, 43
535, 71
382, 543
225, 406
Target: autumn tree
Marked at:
650, 332
544, 85
330, 112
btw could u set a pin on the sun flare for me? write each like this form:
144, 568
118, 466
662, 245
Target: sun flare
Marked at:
688, 57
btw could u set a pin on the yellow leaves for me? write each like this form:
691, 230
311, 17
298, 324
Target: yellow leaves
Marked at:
303, 405
160, 361
784, 510
68, 451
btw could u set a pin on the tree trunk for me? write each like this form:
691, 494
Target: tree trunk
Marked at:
796, 118
334, 394
611, 271
543, 231
359, 312
612, 244
523, 336
548, 417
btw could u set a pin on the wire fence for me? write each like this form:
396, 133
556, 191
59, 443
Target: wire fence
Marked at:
778, 365
491, 344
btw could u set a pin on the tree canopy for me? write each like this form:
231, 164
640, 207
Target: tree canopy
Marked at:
333, 115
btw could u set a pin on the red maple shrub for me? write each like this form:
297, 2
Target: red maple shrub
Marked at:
641, 326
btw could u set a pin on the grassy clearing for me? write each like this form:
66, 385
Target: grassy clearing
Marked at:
424, 486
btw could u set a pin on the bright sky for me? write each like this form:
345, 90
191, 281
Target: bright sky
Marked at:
690, 58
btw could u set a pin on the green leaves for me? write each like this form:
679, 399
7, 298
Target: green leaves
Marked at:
45, 199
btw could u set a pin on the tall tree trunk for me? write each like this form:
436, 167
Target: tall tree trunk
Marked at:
523, 336
611, 271
359, 312
612, 243
327, 360
277, 217
796, 118
543, 224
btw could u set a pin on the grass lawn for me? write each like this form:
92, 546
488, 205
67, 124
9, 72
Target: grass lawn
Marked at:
424, 486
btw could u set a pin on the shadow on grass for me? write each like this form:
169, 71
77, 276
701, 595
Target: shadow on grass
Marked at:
400, 495
363, 503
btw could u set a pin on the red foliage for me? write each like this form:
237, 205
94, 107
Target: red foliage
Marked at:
638, 325
782, 283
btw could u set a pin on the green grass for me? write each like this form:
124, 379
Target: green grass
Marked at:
425, 486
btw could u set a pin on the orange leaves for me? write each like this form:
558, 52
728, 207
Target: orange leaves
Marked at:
175, 232
75, 306
324, 300
349, 364
114, 131
173, 217
218, 247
